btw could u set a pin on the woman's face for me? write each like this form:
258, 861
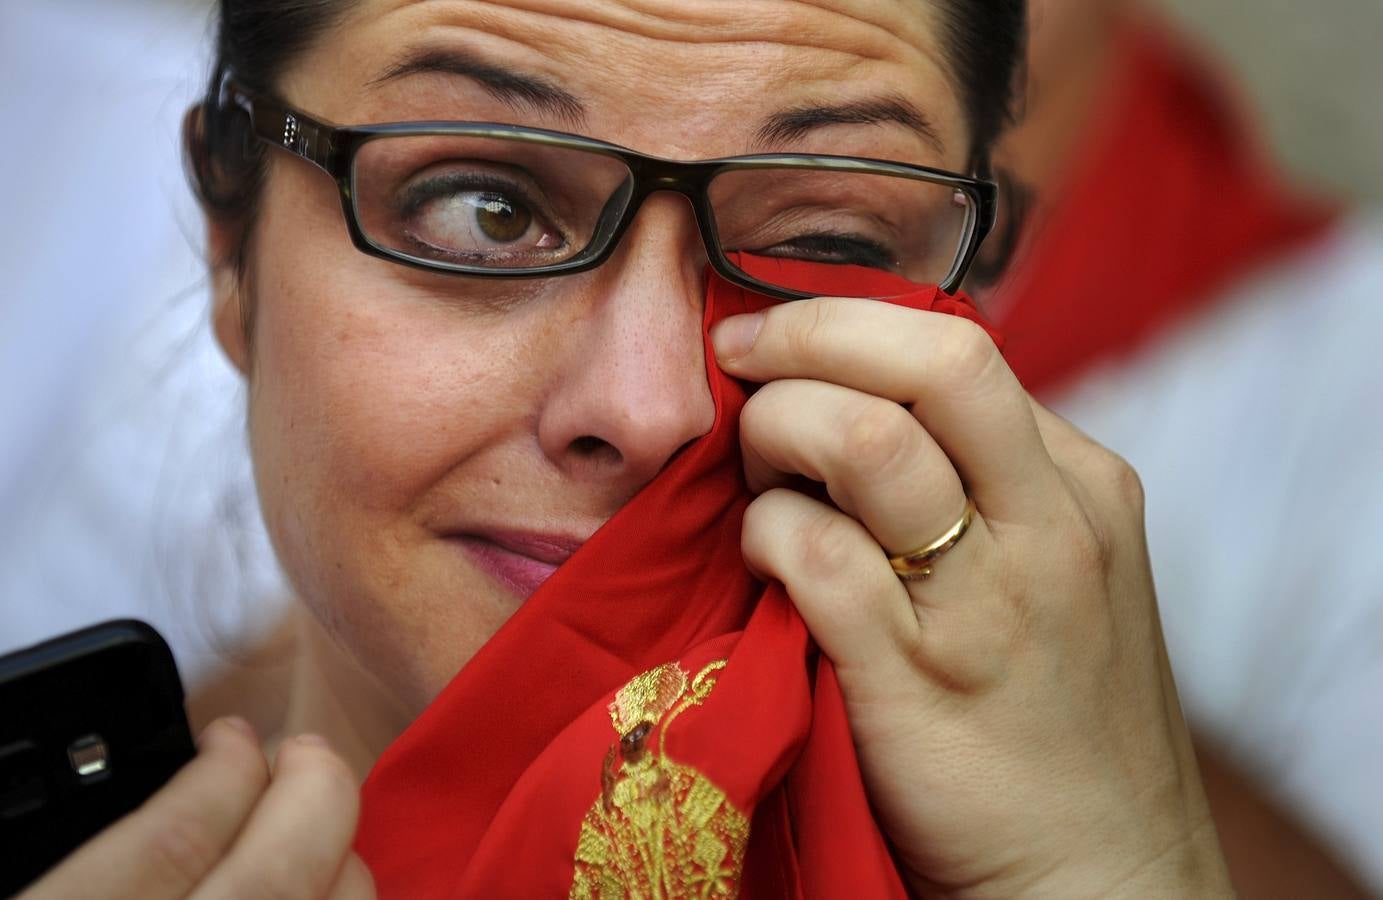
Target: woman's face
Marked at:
428, 448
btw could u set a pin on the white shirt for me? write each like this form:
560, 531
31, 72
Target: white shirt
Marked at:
1258, 432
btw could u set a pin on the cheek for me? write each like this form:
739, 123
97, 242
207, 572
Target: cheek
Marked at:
368, 407
364, 392
366, 395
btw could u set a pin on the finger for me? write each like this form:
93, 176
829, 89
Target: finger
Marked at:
169, 844
836, 575
878, 464
299, 834
945, 368
354, 881
881, 468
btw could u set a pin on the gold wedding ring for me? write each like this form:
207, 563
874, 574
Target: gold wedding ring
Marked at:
917, 565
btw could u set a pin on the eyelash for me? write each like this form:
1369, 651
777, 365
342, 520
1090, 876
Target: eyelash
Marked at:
842, 245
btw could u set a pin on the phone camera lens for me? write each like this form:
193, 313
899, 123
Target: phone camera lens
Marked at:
90, 757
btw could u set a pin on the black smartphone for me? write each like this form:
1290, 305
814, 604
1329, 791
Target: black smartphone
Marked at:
91, 724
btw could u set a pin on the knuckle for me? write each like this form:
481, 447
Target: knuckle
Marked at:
818, 545
878, 437
1112, 484
1125, 482
1106, 506
826, 548
967, 354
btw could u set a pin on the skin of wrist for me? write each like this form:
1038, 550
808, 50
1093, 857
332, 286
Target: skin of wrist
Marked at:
1192, 866
1111, 862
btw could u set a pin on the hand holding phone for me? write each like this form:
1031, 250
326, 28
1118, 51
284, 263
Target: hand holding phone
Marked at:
91, 724
226, 827
92, 727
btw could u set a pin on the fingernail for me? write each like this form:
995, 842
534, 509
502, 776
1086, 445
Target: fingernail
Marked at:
735, 336
312, 740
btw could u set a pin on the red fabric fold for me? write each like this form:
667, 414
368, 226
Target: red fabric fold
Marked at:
1168, 201
485, 794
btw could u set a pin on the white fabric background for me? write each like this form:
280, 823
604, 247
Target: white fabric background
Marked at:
1258, 432
122, 465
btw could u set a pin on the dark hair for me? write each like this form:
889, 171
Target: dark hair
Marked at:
985, 43
257, 40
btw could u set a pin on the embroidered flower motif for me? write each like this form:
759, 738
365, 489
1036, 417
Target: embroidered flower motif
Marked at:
660, 829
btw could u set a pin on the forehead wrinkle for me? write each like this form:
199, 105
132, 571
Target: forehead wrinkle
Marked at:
551, 35
534, 33
767, 21
746, 51
754, 24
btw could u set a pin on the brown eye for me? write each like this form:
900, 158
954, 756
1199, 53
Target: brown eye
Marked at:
501, 220
479, 224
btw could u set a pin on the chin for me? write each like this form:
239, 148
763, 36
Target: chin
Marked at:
416, 626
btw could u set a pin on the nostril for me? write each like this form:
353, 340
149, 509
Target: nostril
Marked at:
593, 448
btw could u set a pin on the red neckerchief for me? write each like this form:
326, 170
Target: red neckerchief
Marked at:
1168, 203
652, 712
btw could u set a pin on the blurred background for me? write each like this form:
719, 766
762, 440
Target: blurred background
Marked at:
1313, 72
122, 469
1195, 276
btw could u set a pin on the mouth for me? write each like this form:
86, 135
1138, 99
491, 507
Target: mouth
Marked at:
518, 562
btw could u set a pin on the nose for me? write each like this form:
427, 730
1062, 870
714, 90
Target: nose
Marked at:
633, 386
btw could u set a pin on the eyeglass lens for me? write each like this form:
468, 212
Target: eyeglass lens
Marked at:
493, 203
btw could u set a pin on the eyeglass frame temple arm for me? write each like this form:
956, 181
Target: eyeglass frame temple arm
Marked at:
299, 134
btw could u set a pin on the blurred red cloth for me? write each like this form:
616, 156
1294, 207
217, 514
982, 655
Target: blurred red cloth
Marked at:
1168, 202
486, 794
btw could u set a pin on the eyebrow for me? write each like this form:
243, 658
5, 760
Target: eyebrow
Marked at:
518, 90
795, 123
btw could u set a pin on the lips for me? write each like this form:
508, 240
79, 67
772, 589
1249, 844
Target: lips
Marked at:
551, 549
519, 562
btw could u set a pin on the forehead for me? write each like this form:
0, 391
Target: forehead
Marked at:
677, 78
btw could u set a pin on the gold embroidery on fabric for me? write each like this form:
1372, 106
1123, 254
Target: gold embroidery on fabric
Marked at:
660, 830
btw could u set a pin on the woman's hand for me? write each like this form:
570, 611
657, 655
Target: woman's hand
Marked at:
226, 827
1014, 713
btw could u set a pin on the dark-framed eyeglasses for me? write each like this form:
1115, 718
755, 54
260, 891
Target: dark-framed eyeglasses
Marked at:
504, 201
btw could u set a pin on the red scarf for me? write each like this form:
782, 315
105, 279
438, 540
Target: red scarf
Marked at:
653, 715
1169, 201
